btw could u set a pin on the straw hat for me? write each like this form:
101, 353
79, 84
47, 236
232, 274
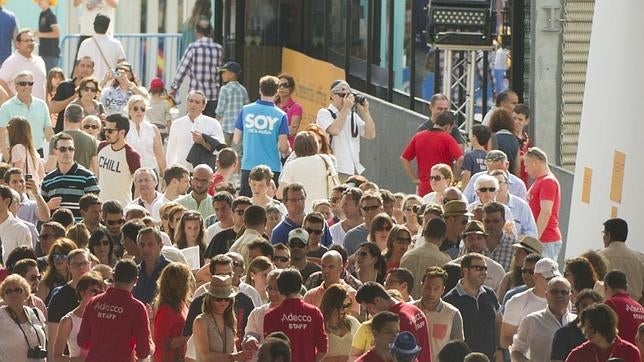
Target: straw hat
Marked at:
221, 286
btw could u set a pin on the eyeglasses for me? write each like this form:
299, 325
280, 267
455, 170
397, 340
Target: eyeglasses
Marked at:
370, 208
413, 208
562, 292
296, 244
59, 257
436, 178
79, 264
110, 130
114, 222
102, 242
284, 85
24, 84
527, 270
486, 189
17, 290
281, 259
314, 231
92, 126
90, 89
96, 291
138, 109
478, 267
403, 240
64, 149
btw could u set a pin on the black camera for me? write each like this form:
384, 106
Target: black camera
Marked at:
359, 98
37, 352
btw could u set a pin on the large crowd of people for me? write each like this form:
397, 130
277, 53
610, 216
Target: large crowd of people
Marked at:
237, 233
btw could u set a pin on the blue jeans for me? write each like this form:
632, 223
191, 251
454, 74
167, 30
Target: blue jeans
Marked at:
50, 62
551, 250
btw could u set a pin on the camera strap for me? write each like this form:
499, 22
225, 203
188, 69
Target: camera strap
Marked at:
13, 316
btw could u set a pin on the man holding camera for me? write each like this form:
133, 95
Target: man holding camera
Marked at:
346, 120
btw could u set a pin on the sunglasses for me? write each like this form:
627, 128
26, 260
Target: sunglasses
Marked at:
110, 130
64, 149
24, 84
222, 299
370, 208
314, 231
138, 109
478, 267
17, 290
413, 208
90, 89
436, 178
384, 228
59, 257
486, 189
102, 242
527, 270
92, 126
284, 85
281, 259
299, 245
115, 222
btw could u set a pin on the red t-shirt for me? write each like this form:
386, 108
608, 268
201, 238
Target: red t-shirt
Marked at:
168, 324
524, 144
430, 148
587, 352
114, 324
546, 187
413, 320
215, 181
630, 314
303, 323
370, 356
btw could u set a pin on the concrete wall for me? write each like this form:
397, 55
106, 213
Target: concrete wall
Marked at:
394, 128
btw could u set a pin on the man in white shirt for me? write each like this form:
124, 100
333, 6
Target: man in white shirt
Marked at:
190, 129
177, 181
106, 51
88, 9
22, 60
533, 340
13, 232
346, 121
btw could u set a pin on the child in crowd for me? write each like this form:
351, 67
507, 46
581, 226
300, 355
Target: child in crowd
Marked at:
232, 97
158, 111
226, 166
474, 160
54, 77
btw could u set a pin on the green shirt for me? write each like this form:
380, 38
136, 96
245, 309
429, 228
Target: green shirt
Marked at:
37, 113
205, 208
85, 146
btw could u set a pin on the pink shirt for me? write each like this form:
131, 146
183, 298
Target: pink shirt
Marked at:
16, 63
291, 108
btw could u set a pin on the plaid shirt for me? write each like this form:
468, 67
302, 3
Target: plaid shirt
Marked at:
232, 97
503, 252
200, 62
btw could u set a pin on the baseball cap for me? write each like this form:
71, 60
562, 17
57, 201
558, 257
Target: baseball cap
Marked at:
157, 84
547, 267
231, 66
299, 234
340, 86
495, 155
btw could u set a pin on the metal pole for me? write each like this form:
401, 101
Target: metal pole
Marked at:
370, 29
437, 70
486, 71
447, 76
347, 40
471, 73
390, 52
412, 56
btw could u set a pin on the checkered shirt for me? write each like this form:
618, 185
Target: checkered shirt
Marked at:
232, 97
200, 62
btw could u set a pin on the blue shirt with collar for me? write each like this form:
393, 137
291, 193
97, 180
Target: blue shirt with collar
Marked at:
280, 233
146, 286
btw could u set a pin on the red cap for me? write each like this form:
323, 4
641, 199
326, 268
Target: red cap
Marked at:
156, 84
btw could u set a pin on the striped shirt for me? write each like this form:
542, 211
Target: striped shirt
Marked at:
232, 97
71, 186
200, 63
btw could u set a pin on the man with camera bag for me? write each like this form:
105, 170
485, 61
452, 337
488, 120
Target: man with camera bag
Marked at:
346, 120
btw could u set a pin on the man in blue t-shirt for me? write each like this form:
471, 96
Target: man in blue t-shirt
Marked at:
264, 128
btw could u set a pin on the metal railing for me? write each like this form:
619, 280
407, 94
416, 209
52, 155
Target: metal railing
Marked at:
151, 55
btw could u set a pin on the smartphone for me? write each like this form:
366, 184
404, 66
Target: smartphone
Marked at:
28, 177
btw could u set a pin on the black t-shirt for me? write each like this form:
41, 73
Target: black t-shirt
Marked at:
565, 340
309, 269
317, 253
220, 243
64, 299
65, 90
48, 46
243, 307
